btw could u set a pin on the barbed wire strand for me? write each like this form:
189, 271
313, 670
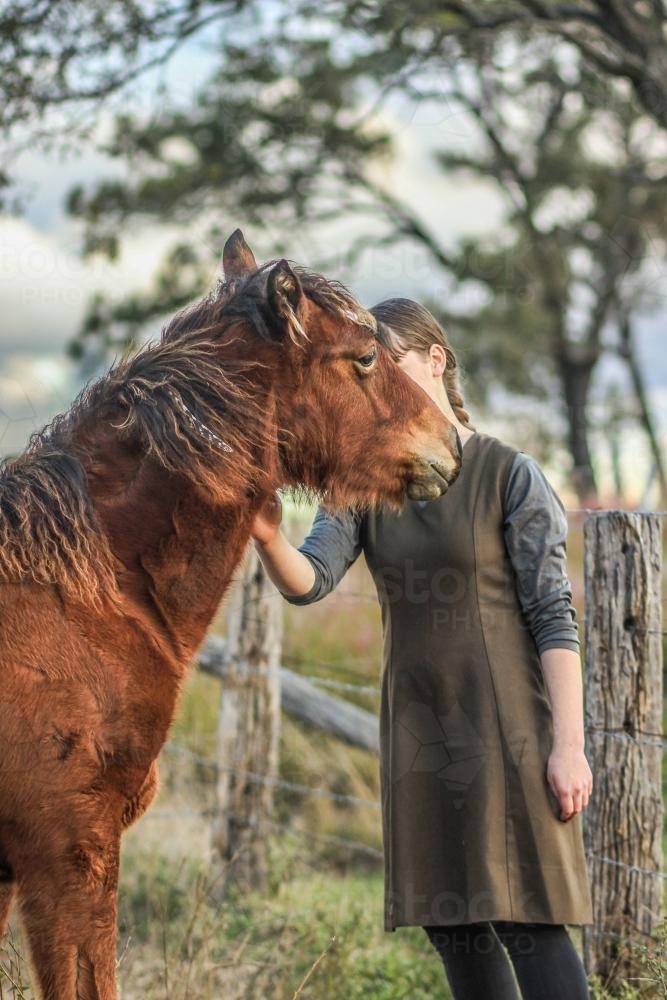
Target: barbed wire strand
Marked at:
265, 779
657, 740
613, 510
631, 868
342, 685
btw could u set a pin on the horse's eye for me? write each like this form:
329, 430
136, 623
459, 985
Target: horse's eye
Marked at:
368, 360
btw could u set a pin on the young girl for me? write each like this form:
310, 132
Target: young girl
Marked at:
483, 772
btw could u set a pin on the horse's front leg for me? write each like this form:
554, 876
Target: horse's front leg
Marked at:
69, 909
7, 894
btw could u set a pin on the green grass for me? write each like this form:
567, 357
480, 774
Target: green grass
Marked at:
313, 934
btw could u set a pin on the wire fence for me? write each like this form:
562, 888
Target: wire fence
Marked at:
352, 800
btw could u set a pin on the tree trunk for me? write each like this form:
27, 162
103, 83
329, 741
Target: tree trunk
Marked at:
623, 707
576, 376
628, 352
248, 729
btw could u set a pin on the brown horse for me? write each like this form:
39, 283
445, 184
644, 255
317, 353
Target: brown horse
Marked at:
120, 528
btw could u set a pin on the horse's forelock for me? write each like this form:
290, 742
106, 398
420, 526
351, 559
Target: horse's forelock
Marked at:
335, 298
209, 312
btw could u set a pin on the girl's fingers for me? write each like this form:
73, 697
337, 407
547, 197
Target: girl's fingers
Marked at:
566, 805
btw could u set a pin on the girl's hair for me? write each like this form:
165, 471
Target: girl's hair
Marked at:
404, 325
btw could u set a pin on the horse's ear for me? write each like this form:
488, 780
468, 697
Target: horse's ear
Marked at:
238, 259
284, 295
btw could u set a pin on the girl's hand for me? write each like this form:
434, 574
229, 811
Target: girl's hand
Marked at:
570, 779
266, 524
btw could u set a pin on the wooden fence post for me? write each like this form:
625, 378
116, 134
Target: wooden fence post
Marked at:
248, 728
623, 712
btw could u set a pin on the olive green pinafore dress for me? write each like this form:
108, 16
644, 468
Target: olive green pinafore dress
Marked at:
470, 824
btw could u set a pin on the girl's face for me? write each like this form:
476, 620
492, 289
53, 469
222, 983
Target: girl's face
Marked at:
425, 368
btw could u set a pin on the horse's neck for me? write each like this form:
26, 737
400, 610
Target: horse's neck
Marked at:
189, 569
178, 550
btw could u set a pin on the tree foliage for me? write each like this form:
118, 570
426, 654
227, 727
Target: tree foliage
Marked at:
72, 52
567, 104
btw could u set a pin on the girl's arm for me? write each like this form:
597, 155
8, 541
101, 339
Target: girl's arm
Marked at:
536, 541
568, 772
562, 673
311, 571
290, 571
535, 535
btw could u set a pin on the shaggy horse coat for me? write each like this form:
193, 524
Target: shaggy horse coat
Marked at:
120, 528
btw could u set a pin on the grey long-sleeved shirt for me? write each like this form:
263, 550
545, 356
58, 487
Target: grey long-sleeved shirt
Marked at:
535, 529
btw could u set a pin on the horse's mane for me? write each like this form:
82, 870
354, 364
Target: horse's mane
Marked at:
176, 398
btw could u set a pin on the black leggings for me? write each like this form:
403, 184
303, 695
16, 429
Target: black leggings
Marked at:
543, 957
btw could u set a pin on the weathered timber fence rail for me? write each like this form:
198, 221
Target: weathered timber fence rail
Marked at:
301, 698
623, 702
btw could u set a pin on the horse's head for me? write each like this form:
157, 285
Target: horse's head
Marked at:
350, 423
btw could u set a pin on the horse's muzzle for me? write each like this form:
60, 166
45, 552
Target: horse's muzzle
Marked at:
432, 476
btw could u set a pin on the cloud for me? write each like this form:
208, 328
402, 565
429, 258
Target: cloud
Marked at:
44, 288
45, 284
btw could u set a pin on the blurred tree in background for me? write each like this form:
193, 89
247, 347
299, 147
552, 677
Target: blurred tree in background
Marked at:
567, 106
585, 191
